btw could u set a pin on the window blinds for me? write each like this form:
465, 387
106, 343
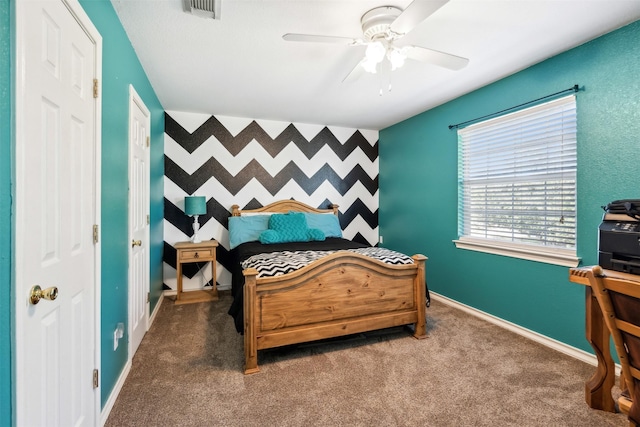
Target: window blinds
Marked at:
517, 176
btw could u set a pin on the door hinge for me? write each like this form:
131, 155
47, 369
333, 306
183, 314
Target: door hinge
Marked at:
95, 378
148, 141
148, 296
95, 233
148, 220
95, 88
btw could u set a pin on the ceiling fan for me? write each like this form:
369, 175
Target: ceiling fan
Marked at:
382, 27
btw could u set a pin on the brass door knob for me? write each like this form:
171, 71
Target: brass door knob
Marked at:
38, 293
136, 243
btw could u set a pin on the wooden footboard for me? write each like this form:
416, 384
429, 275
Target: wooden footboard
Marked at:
341, 294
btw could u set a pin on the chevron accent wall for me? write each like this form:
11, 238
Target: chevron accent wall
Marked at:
252, 163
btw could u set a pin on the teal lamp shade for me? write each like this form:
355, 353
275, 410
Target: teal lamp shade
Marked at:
195, 205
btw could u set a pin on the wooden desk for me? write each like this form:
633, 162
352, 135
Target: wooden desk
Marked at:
598, 387
187, 252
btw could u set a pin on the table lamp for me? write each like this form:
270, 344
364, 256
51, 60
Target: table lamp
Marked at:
195, 206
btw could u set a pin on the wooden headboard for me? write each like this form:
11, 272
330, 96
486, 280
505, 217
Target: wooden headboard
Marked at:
284, 206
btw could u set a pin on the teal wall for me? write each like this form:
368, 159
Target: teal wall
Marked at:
418, 184
121, 67
5, 215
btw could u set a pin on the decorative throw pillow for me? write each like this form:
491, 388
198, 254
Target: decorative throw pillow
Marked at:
315, 234
290, 227
269, 236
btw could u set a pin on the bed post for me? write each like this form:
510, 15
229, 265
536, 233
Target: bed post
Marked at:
335, 208
420, 292
249, 306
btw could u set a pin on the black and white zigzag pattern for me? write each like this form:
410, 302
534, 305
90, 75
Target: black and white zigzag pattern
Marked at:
255, 162
279, 263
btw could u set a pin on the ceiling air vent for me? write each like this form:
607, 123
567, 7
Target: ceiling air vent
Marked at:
203, 8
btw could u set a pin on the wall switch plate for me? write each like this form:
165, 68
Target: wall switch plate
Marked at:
115, 340
381, 240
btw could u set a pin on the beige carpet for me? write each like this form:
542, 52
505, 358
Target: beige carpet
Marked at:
188, 372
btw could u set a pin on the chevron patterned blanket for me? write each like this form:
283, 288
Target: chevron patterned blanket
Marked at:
278, 263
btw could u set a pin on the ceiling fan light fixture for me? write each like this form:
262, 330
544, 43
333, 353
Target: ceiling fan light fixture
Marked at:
369, 66
375, 52
396, 57
373, 56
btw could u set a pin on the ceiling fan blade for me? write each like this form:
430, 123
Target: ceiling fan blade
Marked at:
292, 37
355, 73
435, 57
415, 13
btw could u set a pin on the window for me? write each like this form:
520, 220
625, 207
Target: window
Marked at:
517, 184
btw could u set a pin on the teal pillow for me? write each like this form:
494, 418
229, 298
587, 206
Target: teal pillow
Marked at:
246, 228
269, 236
328, 223
272, 236
316, 234
290, 227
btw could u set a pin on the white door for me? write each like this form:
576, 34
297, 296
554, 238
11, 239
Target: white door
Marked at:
139, 124
57, 205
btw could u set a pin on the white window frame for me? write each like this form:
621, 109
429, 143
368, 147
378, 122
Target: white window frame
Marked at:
547, 253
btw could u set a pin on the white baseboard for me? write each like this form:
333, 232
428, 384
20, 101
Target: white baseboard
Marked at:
576, 353
106, 410
156, 310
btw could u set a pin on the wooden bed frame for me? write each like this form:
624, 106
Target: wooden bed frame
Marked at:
341, 294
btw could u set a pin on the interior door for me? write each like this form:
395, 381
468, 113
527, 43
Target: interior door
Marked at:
139, 124
57, 189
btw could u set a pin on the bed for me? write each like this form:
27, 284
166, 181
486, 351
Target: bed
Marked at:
344, 292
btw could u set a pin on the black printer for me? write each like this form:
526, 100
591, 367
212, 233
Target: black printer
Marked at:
619, 237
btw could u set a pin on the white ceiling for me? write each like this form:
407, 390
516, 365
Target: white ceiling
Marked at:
240, 66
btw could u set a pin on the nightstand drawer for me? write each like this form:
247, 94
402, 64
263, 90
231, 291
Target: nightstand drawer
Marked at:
186, 255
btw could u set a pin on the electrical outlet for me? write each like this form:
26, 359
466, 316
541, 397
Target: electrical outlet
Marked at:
381, 240
115, 340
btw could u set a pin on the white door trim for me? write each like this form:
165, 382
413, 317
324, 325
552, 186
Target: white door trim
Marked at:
84, 21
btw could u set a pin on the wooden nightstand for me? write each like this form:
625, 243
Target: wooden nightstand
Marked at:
187, 252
